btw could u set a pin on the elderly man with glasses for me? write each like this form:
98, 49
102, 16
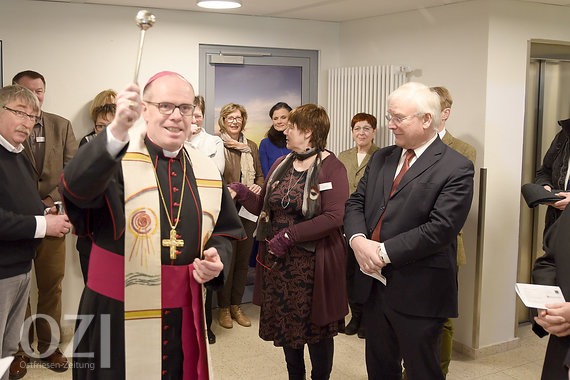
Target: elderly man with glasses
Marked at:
402, 223
49, 148
22, 220
162, 222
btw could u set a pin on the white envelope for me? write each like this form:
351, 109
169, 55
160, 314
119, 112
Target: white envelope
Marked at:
537, 296
247, 215
377, 275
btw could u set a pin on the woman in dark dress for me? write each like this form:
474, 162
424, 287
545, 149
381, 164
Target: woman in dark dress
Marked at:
300, 276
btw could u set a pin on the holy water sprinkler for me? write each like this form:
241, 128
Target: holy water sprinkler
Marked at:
145, 20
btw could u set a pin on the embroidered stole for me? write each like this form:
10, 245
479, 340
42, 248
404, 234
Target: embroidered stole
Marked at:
143, 306
209, 183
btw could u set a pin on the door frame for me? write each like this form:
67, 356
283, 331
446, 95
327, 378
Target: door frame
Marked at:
210, 55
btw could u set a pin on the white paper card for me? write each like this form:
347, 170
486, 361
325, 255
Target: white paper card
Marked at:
325, 186
537, 296
5, 364
247, 215
377, 275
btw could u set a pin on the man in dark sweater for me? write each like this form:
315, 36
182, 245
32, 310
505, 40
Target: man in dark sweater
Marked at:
22, 220
50, 146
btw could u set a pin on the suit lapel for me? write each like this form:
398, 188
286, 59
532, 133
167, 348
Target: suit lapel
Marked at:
389, 173
362, 166
429, 157
49, 132
30, 156
382, 186
354, 159
366, 158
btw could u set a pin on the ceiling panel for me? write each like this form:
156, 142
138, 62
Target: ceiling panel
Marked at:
322, 10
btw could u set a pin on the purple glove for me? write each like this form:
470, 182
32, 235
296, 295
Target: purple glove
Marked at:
281, 243
240, 189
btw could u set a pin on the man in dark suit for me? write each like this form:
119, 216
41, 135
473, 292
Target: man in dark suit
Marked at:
553, 268
49, 147
402, 223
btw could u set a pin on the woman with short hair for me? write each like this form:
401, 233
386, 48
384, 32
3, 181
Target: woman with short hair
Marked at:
363, 128
300, 276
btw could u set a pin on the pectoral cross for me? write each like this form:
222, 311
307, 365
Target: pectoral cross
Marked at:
172, 243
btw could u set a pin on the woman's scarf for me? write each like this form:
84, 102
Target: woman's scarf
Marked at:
246, 160
277, 138
310, 207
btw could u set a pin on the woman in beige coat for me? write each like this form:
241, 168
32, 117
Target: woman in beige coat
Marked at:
363, 128
242, 165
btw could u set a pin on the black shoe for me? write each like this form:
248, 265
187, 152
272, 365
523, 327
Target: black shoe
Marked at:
361, 332
211, 337
352, 326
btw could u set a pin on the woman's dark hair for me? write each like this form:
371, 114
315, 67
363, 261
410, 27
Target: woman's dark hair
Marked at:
276, 137
279, 106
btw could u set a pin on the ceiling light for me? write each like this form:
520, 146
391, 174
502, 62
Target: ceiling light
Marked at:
219, 4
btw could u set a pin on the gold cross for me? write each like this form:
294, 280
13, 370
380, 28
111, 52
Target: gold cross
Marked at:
172, 243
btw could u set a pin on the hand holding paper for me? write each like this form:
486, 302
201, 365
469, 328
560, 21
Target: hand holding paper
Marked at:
366, 253
553, 310
555, 319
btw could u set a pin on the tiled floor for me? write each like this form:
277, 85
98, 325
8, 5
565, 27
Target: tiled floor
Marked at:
240, 354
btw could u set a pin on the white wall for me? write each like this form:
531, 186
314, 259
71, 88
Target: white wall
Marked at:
82, 49
478, 50
512, 24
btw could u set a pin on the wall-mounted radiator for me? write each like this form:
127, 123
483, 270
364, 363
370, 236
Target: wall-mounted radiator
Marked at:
360, 89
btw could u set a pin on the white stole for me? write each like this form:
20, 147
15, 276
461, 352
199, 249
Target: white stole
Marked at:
143, 304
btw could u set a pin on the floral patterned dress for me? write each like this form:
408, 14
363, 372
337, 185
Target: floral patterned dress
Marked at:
288, 281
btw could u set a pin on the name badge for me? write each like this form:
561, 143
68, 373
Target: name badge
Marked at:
325, 186
40, 139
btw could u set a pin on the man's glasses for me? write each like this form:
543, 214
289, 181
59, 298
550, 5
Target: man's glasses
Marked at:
166, 108
363, 129
399, 119
232, 119
101, 126
22, 115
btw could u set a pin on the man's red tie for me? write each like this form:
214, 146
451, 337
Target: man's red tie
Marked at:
409, 155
